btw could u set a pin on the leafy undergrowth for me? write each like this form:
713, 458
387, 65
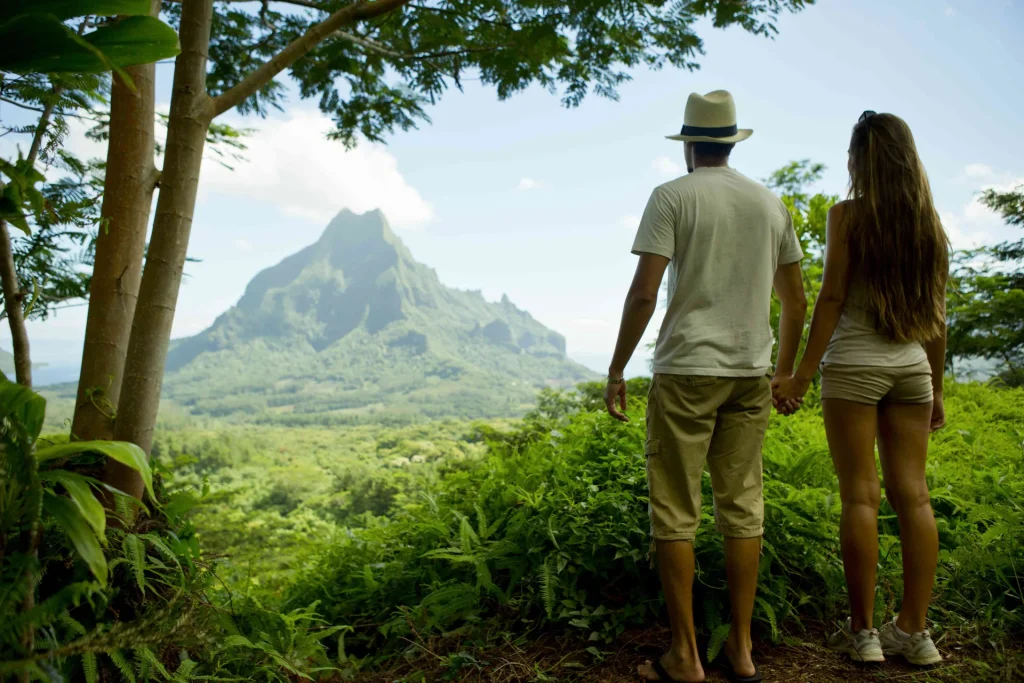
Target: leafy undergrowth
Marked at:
550, 531
529, 562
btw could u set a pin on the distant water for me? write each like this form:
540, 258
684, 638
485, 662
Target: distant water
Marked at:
55, 361
598, 362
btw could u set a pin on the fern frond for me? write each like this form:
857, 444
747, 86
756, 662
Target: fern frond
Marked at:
770, 614
547, 587
717, 641
481, 522
712, 618
136, 553
123, 665
184, 672
89, 668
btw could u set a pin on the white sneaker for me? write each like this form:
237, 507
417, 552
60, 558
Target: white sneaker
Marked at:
862, 646
916, 648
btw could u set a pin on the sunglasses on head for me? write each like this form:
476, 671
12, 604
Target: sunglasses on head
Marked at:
865, 116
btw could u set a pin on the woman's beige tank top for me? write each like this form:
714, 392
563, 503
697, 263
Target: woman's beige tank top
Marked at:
856, 341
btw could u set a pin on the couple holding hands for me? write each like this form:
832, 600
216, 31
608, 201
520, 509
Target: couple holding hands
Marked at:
878, 336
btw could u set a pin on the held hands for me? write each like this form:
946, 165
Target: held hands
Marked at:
788, 393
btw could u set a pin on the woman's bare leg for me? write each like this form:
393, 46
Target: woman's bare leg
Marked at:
903, 445
850, 428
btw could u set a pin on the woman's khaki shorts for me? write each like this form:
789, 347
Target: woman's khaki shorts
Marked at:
871, 384
721, 420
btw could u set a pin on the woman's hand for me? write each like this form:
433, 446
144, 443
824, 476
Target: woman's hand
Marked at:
938, 412
788, 393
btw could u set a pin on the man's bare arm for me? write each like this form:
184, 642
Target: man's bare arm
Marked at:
789, 286
641, 302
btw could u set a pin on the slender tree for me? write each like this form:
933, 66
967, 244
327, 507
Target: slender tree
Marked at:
128, 187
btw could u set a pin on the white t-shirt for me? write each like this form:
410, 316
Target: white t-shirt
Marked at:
725, 235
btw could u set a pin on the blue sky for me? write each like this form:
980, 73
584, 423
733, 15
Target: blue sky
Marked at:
529, 199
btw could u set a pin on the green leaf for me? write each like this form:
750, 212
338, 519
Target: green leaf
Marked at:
22, 406
717, 641
67, 517
136, 553
80, 489
125, 453
135, 40
89, 667
122, 664
41, 43
66, 9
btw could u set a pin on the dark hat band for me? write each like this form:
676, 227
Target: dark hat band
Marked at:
723, 132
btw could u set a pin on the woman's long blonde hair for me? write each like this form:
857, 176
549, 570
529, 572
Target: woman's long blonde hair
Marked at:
897, 245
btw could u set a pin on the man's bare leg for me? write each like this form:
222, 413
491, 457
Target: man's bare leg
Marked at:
742, 556
682, 661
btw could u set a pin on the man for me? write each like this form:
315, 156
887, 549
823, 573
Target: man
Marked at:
728, 241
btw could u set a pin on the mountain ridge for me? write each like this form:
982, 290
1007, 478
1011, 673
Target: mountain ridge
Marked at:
354, 324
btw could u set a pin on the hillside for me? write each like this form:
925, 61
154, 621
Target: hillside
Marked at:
353, 323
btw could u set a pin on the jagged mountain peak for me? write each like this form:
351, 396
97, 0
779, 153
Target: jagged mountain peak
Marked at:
356, 304
368, 228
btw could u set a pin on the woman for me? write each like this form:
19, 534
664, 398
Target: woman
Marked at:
879, 333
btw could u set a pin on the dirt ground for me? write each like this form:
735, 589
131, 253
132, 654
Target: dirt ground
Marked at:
796, 660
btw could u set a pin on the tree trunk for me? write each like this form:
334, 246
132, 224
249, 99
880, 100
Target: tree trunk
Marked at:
192, 111
124, 216
15, 313
190, 117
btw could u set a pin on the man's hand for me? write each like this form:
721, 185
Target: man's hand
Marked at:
938, 412
788, 393
613, 391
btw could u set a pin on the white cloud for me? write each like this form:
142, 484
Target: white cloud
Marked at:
242, 245
978, 172
949, 11
975, 224
528, 184
666, 166
630, 222
291, 164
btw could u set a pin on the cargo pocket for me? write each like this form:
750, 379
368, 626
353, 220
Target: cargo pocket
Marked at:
651, 447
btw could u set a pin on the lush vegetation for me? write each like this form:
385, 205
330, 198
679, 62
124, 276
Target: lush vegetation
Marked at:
282, 550
987, 311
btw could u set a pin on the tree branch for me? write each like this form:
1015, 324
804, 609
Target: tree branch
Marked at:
44, 123
413, 56
311, 4
350, 14
22, 105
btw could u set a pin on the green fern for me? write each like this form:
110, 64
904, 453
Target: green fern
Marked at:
547, 587
184, 671
123, 665
770, 614
717, 641
89, 668
712, 619
136, 553
481, 521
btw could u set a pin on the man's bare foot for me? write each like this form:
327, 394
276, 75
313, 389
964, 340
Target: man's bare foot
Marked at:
686, 670
740, 658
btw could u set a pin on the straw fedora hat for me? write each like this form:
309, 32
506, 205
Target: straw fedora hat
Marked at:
711, 118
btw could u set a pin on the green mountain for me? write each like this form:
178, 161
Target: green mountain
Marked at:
354, 326
6, 361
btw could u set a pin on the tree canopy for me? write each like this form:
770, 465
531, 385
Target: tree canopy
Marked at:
987, 297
